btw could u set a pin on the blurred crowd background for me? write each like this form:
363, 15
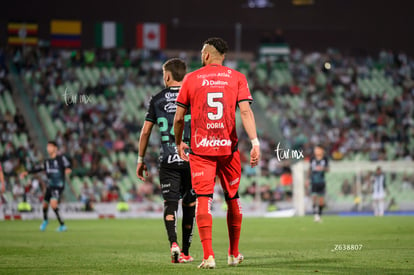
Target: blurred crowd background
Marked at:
359, 108
329, 72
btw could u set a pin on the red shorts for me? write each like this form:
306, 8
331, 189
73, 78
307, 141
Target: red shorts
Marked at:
204, 170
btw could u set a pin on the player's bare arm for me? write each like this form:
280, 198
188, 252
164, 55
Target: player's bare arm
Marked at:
23, 174
178, 132
3, 185
142, 148
249, 125
68, 171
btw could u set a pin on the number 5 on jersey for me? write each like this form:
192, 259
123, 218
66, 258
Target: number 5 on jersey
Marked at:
215, 104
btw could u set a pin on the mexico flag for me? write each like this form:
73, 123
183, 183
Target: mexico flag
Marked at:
109, 35
151, 36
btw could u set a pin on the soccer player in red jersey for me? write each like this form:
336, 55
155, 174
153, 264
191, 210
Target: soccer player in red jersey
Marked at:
213, 93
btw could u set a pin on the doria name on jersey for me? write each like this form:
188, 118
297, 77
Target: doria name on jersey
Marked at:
161, 111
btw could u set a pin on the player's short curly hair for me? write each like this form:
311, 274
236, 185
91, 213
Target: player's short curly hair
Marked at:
177, 67
218, 43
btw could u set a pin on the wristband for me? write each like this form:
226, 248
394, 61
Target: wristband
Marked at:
255, 142
140, 159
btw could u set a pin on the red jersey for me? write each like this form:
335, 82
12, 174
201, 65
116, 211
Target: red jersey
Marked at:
213, 93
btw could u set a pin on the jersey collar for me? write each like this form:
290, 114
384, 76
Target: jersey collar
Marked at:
214, 64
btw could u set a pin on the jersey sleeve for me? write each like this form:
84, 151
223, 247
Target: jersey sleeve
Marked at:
39, 168
327, 162
183, 98
66, 163
150, 115
310, 164
244, 91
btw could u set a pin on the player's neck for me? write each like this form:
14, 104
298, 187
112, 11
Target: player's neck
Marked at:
52, 156
173, 84
220, 63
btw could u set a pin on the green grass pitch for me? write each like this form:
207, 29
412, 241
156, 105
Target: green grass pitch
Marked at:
270, 246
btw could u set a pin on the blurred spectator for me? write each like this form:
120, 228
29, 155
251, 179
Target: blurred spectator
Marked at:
279, 193
346, 188
97, 190
133, 194
114, 193
407, 183
34, 191
266, 193
108, 181
146, 189
87, 196
251, 190
18, 192
274, 166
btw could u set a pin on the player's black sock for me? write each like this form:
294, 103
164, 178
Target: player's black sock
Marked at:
170, 208
45, 210
320, 209
187, 227
315, 209
58, 216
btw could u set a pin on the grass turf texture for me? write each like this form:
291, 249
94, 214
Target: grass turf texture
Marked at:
270, 246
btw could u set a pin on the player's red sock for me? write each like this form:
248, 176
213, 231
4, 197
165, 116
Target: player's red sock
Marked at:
204, 223
234, 220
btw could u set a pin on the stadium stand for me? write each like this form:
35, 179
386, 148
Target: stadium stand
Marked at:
94, 107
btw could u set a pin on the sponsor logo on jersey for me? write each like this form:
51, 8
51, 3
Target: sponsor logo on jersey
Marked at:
170, 107
165, 185
169, 96
234, 181
224, 74
174, 158
198, 174
214, 83
213, 143
206, 75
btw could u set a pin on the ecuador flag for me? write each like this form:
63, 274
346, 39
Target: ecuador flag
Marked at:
66, 33
21, 33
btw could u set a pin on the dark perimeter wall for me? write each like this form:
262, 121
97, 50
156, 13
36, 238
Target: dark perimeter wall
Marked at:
350, 25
